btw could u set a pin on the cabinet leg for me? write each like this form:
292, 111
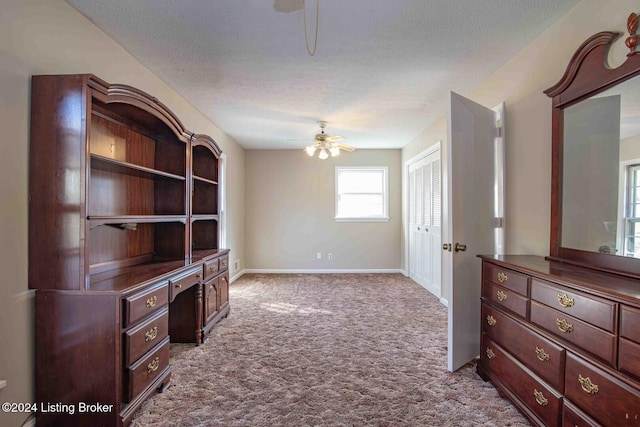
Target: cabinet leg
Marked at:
199, 308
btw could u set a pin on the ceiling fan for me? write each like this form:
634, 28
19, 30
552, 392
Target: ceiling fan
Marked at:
324, 142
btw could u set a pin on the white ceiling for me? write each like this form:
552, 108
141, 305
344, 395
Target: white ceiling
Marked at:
380, 75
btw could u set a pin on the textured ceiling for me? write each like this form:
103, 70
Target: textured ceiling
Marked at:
380, 75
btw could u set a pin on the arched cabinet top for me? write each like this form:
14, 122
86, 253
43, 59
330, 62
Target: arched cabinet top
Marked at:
207, 141
119, 93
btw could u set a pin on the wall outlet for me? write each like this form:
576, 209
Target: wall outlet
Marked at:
329, 256
236, 265
319, 255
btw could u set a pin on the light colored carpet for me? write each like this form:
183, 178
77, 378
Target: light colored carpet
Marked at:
326, 350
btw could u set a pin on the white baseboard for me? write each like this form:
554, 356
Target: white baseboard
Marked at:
236, 276
444, 302
318, 271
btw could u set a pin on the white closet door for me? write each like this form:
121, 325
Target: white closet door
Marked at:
425, 222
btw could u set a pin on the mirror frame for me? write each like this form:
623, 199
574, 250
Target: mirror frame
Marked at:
587, 74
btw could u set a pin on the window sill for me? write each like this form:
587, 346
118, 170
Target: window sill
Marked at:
365, 219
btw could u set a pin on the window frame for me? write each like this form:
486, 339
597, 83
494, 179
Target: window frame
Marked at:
631, 215
384, 217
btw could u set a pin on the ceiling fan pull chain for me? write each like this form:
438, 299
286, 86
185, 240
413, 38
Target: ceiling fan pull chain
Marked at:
306, 40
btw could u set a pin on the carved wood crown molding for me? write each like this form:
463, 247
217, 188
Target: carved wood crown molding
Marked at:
600, 40
595, 50
632, 40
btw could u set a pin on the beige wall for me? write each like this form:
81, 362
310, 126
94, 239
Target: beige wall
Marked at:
520, 83
290, 209
49, 37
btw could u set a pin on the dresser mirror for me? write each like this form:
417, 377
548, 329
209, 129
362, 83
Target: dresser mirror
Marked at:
595, 207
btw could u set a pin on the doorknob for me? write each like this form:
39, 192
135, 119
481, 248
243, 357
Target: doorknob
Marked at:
460, 247
446, 247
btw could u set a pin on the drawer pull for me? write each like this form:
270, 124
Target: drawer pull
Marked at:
565, 301
501, 296
178, 285
153, 366
151, 302
151, 334
564, 326
491, 320
542, 401
502, 277
542, 356
490, 353
587, 385
224, 262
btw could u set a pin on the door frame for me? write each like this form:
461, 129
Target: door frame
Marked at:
437, 146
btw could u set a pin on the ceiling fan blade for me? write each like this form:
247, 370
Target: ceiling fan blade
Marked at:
344, 147
334, 138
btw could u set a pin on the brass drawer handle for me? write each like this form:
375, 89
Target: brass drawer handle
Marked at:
542, 401
151, 334
490, 353
587, 385
542, 356
501, 296
502, 277
224, 262
565, 301
491, 320
151, 302
153, 366
564, 326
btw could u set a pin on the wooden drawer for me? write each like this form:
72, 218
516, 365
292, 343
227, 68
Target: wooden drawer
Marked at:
143, 303
506, 298
506, 278
574, 417
184, 281
142, 338
542, 400
147, 369
630, 323
224, 263
629, 357
211, 268
607, 400
540, 355
593, 340
597, 311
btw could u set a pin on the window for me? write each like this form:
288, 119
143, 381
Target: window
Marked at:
362, 193
632, 209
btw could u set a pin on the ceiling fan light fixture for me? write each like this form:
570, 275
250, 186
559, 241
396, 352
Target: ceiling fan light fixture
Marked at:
325, 144
310, 150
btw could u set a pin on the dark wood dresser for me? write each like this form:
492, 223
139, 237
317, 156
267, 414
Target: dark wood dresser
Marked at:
561, 342
560, 335
124, 255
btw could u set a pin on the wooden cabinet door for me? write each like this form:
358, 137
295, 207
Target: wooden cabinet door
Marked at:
223, 291
210, 300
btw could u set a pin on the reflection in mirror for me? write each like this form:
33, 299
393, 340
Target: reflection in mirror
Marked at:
601, 172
